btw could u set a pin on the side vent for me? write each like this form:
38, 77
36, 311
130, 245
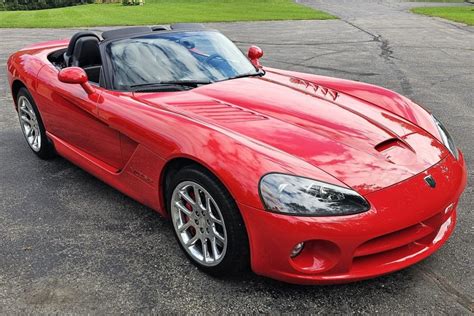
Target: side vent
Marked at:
219, 111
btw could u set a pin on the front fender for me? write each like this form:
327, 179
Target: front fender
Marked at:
238, 162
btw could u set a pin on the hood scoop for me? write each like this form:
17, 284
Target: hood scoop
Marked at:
396, 151
218, 111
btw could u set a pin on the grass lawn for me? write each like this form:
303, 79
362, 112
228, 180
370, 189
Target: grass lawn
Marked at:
457, 14
162, 12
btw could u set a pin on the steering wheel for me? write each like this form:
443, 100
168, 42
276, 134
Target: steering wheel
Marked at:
212, 57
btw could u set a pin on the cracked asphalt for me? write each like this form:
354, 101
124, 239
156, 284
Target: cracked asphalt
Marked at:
70, 243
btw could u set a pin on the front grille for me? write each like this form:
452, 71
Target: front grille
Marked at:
401, 243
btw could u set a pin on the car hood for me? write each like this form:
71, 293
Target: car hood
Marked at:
360, 144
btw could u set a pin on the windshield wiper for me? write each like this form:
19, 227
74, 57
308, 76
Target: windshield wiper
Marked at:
187, 83
259, 73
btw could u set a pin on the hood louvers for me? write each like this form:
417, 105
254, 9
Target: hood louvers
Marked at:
219, 111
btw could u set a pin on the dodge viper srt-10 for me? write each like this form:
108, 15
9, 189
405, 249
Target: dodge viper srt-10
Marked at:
303, 178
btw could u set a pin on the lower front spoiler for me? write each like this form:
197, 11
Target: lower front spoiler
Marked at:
407, 222
382, 264
339, 259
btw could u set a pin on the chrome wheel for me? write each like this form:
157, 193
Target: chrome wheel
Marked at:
29, 123
198, 223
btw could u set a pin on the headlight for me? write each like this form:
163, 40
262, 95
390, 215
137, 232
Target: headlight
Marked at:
446, 138
294, 195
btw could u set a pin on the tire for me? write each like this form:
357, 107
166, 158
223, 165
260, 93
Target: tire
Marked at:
32, 126
224, 258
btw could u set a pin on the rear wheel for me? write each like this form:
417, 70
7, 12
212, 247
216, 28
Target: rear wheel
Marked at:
207, 222
32, 126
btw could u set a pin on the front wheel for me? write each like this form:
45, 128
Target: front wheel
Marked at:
207, 222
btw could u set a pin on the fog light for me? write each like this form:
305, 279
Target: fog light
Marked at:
315, 256
297, 249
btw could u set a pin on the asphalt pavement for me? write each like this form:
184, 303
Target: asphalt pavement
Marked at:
70, 243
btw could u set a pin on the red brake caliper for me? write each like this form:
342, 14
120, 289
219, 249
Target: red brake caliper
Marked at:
190, 208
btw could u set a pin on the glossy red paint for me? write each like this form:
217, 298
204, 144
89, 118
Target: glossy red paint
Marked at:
73, 75
406, 223
341, 132
254, 54
76, 75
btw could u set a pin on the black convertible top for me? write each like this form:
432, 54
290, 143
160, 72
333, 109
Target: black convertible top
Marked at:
137, 30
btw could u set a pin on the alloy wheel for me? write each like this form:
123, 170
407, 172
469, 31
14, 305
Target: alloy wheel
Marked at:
29, 123
198, 223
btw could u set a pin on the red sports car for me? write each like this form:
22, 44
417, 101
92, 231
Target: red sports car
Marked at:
304, 178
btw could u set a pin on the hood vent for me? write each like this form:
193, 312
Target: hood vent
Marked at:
396, 151
219, 111
314, 88
388, 144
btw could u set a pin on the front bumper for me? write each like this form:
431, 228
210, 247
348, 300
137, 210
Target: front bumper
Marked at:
406, 223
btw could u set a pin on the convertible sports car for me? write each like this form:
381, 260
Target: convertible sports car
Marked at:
304, 178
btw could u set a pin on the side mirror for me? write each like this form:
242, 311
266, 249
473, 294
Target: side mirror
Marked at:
254, 54
76, 75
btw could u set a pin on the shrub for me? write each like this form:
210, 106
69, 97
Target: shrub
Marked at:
40, 4
133, 2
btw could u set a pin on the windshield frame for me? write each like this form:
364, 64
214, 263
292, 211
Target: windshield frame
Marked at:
107, 62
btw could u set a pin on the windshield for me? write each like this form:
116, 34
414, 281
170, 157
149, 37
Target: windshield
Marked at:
204, 56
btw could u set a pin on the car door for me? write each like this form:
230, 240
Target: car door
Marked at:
70, 114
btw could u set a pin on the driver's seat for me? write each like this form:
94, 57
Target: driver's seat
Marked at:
86, 52
83, 51
79, 41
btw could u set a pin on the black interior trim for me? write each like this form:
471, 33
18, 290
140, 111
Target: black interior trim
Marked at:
93, 73
57, 58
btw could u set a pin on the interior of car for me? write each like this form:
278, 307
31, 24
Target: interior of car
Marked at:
83, 51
